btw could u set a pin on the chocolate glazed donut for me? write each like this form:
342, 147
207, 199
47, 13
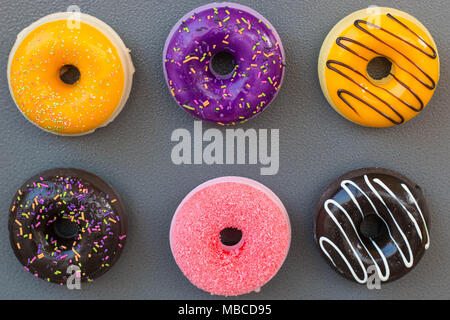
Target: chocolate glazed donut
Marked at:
372, 217
65, 217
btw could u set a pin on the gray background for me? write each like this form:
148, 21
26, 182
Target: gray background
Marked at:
316, 145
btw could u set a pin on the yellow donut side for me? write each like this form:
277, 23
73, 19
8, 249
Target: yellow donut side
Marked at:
102, 59
363, 36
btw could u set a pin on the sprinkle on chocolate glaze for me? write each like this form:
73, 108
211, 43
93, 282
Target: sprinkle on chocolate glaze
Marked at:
73, 197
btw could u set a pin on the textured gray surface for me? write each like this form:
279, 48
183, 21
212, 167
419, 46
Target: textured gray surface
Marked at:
316, 145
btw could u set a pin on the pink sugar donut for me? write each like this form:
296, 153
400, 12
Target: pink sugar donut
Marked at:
230, 269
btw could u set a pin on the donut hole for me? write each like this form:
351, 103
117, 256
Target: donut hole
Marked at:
222, 64
65, 229
59, 232
379, 69
69, 74
231, 238
372, 227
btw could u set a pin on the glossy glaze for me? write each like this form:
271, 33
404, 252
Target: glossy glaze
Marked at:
67, 195
399, 204
51, 104
257, 50
411, 82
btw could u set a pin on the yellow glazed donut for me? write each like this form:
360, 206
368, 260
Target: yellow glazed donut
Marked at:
69, 76
379, 33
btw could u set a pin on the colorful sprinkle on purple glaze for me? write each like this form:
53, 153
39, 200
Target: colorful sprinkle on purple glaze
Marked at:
67, 196
258, 55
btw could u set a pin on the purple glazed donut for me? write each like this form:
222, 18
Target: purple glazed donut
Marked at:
256, 53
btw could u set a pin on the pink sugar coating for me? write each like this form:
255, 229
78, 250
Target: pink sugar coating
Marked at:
230, 202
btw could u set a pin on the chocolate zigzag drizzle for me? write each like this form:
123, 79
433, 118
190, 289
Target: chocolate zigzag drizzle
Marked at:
340, 41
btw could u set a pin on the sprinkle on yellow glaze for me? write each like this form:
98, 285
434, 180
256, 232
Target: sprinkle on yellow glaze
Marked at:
54, 105
400, 96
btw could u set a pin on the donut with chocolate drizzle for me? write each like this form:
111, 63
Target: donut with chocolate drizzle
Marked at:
400, 92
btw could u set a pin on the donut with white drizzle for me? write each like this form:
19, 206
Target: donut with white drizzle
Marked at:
372, 217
